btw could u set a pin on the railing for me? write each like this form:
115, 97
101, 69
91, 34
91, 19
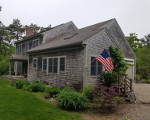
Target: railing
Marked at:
125, 83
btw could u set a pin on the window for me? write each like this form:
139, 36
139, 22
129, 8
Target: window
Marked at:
35, 43
44, 64
96, 67
19, 49
53, 65
35, 63
27, 46
62, 64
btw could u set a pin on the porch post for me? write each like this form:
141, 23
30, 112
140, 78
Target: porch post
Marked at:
9, 68
15, 66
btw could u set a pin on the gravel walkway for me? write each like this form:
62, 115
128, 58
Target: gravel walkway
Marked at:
136, 111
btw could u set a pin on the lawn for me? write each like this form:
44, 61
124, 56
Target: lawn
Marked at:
16, 104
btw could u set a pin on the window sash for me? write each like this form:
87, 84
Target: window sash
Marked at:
62, 64
44, 64
27, 46
34, 63
96, 67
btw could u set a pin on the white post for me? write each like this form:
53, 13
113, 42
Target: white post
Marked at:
15, 66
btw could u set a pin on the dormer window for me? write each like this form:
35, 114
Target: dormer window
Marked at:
27, 46
35, 43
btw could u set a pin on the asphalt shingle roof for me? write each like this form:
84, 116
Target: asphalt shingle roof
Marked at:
75, 37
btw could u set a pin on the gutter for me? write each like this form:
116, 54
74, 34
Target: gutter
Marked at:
56, 48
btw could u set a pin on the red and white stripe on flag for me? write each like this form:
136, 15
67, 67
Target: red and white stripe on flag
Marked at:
107, 63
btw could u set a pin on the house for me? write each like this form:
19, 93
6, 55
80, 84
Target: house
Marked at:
67, 54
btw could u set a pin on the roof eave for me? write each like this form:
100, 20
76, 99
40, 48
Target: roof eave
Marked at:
64, 46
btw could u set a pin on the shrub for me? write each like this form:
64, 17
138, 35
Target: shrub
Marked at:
36, 87
72, 100
19, 83
87, 91
143, 71
108, 95
35, 81
53, 91
145, 81
108, 78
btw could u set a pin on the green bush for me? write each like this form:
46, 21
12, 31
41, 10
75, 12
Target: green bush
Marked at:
53, 91
108, 78
145, 81
143, 71
4, 65
72, 100
19, 83
87, 92
35, 81
36, 87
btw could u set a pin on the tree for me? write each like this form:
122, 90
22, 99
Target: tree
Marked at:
16, 30
146, 40
134, 42
142, 62
120, 66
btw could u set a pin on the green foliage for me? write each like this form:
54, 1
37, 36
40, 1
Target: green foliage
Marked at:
142, 62
146, 40
19, 83
37, 87
35, 81
53, 91
134, 42
120, 66
108, 78
145, 81
87, 91
4, 65
72, 100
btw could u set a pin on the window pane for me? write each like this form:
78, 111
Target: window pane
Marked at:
50, 65
34, 63
93, 66
55, 65
55, 61
99, 68
62, 64
36, 44
44, 64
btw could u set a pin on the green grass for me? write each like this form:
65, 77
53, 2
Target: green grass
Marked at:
16, 104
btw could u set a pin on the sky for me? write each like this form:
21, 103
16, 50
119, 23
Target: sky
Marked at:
133, 16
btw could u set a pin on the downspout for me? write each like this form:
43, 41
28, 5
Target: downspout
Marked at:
85, 64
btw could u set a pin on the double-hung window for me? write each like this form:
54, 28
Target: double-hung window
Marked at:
62, 64
35, 63
44, 64
53, 65
27, 46
35, 43
96, 67
19, 49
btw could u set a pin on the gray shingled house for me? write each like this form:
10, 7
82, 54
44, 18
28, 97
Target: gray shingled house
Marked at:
64, 53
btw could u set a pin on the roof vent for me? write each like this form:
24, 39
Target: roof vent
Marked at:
70, 36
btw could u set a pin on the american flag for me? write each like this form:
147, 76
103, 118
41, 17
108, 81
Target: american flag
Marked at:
105, 60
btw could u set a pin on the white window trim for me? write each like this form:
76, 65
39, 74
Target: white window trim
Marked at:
58, 67
131, 64
25, 46
130, 60
42, 64
96, 66
36, 63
